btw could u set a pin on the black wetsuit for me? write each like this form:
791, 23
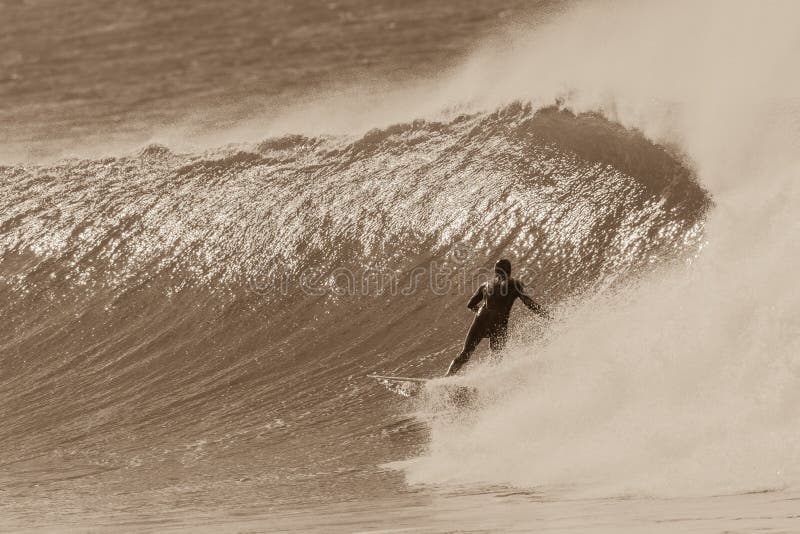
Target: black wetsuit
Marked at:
492, 303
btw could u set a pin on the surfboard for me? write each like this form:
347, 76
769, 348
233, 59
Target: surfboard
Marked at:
401, 385
456, 395
399, 378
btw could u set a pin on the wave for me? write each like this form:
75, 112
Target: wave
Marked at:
234, 216
166, 296
171, 310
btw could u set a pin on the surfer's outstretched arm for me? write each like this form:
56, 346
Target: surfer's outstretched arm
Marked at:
534, 306
475, 300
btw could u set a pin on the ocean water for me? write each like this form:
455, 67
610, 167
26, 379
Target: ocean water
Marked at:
218, 218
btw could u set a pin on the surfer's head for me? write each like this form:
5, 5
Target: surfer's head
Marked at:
502, 268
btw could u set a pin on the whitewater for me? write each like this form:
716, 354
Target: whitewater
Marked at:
189, 314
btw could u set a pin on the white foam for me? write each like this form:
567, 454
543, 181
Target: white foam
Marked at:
689, 382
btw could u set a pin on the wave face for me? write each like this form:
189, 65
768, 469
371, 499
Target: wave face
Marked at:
201, 324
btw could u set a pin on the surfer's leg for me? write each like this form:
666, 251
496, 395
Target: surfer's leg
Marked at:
474, 336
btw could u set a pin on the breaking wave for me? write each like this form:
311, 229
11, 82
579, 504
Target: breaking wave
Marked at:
218, 311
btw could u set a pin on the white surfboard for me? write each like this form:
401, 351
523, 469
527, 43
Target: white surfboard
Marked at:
399, 378
401, 385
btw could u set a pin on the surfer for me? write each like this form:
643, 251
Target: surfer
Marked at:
492, 305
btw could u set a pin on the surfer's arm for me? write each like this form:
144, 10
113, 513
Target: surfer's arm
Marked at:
476, 299
534, 306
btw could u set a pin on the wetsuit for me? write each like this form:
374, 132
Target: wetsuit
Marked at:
492, 304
